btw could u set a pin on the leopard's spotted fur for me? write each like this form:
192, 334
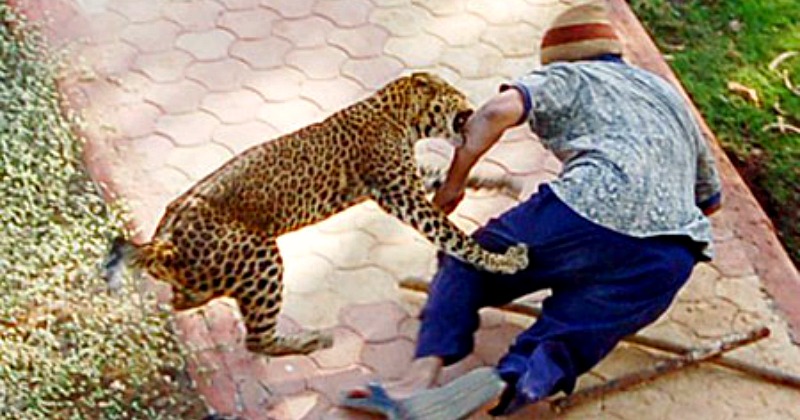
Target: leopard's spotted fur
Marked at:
219, 238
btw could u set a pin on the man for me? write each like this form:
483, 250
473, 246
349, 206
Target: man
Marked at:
614, 237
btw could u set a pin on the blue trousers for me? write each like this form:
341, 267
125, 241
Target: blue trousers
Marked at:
605, 286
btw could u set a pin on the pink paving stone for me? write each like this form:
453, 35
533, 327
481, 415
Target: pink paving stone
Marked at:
287, 325
220, 393
400, 21
512, 41
187, 129
346, 348
332, 383
240, 4
305, 33
289, 8
193, 330
289, 116
219, 76
318, 63
731, 259
341, 413
249, 24
289, 374
232, 107
276, 85
61, 21
474, 61
76, 96
176, 98
254, 398
408, 50
133, 120
112, 58
320, 408
261, 54
240, 137
458, 31
172, 181
345, 13
496, 12
362, 42
225, 325
491, 344
299, 406
409, 328
104, 27
195, 15
102, 93
134, 10
163, 67
332, 94
391, 359
373, 73
199, 161
375, 322
441, 7
208, 45
152, 36
244, 364
151, 150
205, 366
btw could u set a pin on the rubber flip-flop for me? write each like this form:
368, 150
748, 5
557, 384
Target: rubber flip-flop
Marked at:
373, 400
456, 400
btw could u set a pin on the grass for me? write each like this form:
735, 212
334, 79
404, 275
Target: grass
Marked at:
68, 349
722, 51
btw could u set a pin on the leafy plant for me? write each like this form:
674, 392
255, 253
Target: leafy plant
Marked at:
68, 349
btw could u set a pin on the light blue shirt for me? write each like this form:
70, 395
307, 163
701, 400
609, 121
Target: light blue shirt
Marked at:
635, 159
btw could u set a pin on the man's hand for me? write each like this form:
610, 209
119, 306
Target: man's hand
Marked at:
447, 198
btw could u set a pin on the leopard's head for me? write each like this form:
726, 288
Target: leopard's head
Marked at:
431, 107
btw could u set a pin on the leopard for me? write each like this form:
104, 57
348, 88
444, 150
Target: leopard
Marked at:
219, 238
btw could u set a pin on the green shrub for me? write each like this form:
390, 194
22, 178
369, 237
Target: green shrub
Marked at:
68, 349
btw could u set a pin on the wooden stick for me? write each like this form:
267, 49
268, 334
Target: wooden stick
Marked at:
660, 369
767, 374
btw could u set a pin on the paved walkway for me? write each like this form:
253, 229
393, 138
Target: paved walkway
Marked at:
170, 89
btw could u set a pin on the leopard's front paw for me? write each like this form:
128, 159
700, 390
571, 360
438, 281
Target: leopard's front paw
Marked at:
299, 343
513, 260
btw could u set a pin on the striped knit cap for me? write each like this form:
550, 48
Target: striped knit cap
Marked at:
580, 33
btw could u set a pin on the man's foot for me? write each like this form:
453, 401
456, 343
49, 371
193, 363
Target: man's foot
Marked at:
421, 375
377, 398
456, 400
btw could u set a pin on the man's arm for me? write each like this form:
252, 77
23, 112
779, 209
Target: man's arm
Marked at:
708, 189
483, 129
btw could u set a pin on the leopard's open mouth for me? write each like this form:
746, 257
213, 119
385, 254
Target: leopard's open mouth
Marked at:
459, 122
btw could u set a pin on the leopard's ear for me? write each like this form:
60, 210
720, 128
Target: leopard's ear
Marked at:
423, 81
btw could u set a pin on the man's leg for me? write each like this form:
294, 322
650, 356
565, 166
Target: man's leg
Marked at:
450, 317
583, 321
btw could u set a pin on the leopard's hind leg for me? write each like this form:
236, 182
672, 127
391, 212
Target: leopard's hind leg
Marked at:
258, 293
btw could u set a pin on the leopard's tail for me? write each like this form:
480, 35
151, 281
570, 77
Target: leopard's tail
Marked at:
434, 177
156, 257
119, 255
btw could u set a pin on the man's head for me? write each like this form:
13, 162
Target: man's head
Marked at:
580, 33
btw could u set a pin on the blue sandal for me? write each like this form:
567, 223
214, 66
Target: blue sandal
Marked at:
374, 401
456, 400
